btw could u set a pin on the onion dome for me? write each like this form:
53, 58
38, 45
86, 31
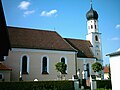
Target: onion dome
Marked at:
92, 14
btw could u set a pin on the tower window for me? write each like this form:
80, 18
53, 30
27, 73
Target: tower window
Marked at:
96, 38
24, 65
97, 54
44, 65
91, 26
95, 27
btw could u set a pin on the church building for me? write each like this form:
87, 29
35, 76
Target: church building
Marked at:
35, 52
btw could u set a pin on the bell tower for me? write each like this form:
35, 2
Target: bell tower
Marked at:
93, 33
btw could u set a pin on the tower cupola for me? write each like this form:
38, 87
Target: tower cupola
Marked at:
92, 14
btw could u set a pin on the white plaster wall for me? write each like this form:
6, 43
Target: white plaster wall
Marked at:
92, 22
115, 72
6, 75
82, 61
35, 56
106, 76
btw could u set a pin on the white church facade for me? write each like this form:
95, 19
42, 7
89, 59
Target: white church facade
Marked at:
35, 52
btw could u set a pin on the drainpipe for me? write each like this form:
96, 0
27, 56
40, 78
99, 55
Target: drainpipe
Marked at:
76, 63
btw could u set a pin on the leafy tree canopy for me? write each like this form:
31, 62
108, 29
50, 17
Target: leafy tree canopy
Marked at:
97, 67
61, 67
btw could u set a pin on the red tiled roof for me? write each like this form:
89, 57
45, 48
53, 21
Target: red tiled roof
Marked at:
37, 39
106, 69
3, 67
83, 47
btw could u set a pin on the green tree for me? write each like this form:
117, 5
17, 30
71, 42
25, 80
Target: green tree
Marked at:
61, 67
97, 67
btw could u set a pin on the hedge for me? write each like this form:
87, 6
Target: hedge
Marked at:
104, 84
38, 85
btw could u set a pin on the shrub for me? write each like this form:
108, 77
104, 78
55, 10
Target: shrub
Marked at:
39, 85
104, 84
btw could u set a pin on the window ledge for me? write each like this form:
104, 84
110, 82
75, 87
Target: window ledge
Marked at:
25, 73
45, 73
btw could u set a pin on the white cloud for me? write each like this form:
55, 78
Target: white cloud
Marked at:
115, 38
117, 26
29, 12
50, 13
24, 5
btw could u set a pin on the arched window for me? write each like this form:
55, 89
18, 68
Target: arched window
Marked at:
44, 65
91, 26
96, 38
88, 69
95, 27
1, 76
24, 65
63, 60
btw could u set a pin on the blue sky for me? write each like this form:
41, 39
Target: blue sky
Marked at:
68, 18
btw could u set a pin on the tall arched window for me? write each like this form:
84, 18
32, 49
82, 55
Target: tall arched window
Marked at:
63, 60
24, 65
91, 26
1, 76
95, 27
44, 65
96, 38
88, 69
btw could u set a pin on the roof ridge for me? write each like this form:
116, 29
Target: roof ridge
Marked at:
76, 39
31, 29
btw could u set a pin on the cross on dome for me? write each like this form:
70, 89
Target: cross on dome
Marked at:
91, 14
